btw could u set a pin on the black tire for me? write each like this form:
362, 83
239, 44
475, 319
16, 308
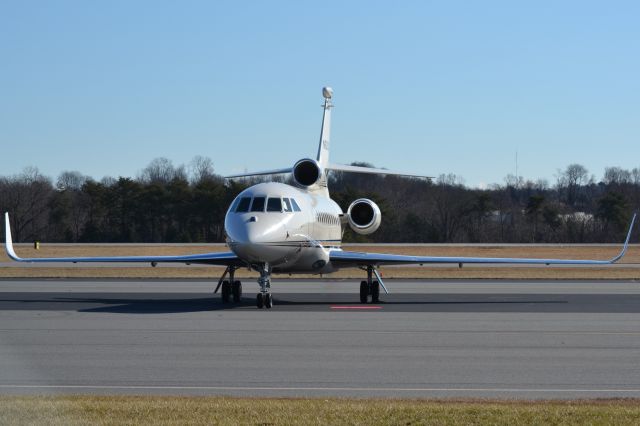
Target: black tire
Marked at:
375, 292
364, 291
236, 291
268, 301
260, 301
226, 291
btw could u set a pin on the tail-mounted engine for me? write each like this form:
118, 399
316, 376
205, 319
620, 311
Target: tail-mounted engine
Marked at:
364, 216
307, 172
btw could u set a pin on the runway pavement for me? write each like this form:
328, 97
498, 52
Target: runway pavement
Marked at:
427, 339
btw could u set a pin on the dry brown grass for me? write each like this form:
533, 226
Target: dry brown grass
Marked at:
103, 410
425, 272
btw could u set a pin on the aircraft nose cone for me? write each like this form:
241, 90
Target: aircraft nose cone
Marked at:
259, 239
243, 230
256, 234
250, 232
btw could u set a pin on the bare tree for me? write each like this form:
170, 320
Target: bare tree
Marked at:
108, 181
201, 169
514, 181
71, 207
617, 176
160, 170
635, 176
71, 180
26, 196
449, 206
571, 179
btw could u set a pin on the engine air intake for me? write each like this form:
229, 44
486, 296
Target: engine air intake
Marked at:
364, 216
306, 172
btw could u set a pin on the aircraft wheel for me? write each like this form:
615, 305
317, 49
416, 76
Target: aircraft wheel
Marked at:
268, 301
260, 301
226, 291
364, 291
375, 292
236, 291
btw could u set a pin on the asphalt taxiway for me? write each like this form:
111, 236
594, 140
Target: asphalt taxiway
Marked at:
505, 339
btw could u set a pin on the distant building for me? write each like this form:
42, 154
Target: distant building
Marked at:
579, 217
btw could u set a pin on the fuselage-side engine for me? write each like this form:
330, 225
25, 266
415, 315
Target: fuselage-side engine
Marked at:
364, 216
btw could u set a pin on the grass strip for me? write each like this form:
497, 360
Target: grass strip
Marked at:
108, 410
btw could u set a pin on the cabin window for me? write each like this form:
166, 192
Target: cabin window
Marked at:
287, 205
296, 208
258, 204
274, 205
243, 205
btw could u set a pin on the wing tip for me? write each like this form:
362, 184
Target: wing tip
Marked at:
625, 247
8, 241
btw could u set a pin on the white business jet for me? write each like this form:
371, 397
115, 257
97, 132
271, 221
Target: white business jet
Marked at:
279, 228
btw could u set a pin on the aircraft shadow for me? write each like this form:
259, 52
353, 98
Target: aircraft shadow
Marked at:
137, 304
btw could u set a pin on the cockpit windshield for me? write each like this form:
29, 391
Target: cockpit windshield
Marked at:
258, 204
243, 205
273, 204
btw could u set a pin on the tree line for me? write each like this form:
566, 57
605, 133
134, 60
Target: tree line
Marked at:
165, 203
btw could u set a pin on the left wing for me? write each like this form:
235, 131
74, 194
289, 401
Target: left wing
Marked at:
350, 258
223, 259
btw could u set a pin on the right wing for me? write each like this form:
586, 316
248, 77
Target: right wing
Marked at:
222, 259
350, 258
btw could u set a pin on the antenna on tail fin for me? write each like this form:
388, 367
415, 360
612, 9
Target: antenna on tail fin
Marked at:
325, 131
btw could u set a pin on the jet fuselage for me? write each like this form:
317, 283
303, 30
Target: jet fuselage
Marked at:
290, 228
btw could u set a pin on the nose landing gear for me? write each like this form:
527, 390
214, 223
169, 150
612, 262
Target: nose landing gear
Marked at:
264, 301
264, 298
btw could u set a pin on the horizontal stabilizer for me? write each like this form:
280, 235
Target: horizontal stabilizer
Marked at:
372, 170
334, 167
262, 173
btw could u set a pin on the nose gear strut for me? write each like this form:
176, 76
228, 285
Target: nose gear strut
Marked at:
264, 298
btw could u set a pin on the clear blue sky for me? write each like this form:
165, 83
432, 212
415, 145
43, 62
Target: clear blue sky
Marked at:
426, 87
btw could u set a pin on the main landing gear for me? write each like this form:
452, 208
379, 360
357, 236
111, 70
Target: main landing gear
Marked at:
232, 289
264, 298
371, 287
229, 288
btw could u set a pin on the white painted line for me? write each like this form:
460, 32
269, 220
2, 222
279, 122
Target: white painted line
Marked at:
332, 389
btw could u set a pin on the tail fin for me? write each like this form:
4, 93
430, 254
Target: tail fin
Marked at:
325, 131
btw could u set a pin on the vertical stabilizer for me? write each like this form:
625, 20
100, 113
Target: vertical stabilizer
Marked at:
325, 132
